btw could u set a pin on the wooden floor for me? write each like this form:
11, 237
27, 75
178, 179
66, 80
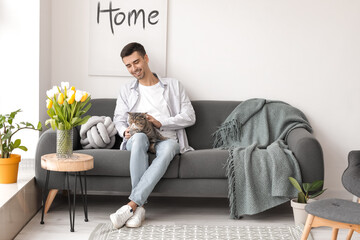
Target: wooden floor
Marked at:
160, 210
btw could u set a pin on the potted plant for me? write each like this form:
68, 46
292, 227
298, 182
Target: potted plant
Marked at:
9, 163
307, 192
66, 107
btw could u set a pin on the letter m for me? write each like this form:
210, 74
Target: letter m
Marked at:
133, 12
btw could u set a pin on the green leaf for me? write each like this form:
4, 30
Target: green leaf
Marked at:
68, 126
29, 125
87, 107
11, 147
51, 112
12, 115
317, 194
73, 121
39, 126
82, 121
23, 148
65, 107
295, 183
306, 187
317, 185
48, 121
58, 111
17, 143
7, 135
52, 122
301, 198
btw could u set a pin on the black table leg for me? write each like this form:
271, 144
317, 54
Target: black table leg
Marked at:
86, 204
69, 202
45, 193
84, 197
74, 202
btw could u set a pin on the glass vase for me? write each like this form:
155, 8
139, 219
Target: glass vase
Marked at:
64, 143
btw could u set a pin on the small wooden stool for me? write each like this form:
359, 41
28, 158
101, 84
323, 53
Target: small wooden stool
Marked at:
77, 164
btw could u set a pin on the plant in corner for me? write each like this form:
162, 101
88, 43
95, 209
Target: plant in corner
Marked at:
9, 162
306, 192
66, 106
315, 188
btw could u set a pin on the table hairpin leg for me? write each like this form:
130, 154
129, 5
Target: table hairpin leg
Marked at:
86, 210
45, 193
84, 198
73, 222
72, 215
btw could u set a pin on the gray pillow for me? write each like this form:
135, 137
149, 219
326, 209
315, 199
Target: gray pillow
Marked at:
98, 132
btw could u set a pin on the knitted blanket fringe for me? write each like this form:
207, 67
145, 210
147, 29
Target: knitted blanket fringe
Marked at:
232, 129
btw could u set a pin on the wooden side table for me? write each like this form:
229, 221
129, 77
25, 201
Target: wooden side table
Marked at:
78, 164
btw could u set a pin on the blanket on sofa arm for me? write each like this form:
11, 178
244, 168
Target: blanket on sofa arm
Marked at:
259, 162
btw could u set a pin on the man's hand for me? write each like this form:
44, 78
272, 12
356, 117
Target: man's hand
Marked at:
127, 133
155, 122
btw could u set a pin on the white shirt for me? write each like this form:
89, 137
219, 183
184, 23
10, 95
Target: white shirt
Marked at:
152, 102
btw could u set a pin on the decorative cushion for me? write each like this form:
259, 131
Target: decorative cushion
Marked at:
98, 132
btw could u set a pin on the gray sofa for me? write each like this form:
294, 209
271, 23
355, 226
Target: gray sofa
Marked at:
198, 173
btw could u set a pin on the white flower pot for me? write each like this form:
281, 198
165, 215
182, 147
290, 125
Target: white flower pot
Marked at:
300, 215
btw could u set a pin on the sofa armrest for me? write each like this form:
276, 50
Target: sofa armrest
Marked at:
308, 153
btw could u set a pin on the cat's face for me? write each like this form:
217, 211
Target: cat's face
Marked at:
137, 121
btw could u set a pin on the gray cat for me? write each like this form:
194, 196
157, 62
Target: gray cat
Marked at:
139, 123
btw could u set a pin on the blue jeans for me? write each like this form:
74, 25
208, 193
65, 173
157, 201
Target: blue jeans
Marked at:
145, 177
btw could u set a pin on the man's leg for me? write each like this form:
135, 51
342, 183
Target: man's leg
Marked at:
165, 152
138, 144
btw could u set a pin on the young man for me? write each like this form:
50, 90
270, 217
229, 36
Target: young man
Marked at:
169, 109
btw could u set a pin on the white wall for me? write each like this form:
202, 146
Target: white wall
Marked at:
306, 53
19, 66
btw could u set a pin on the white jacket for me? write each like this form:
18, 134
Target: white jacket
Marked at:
181, 111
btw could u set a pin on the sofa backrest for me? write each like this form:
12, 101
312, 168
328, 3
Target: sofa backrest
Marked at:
209, 116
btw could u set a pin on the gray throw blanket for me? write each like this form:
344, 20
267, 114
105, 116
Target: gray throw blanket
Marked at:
259, 162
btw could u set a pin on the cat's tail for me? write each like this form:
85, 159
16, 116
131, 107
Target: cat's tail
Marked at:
160, 137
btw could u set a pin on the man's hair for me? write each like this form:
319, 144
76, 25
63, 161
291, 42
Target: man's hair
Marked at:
131, 48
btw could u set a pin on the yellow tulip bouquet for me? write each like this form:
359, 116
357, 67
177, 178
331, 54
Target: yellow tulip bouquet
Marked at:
66, 107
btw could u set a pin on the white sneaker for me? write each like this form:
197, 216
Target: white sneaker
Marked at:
119, 218
137, 219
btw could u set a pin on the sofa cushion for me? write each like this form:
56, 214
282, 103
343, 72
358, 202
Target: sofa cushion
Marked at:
111, 162
207, 163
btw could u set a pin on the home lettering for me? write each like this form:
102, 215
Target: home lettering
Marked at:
118, 17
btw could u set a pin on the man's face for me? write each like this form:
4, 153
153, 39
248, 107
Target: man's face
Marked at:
137, 65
